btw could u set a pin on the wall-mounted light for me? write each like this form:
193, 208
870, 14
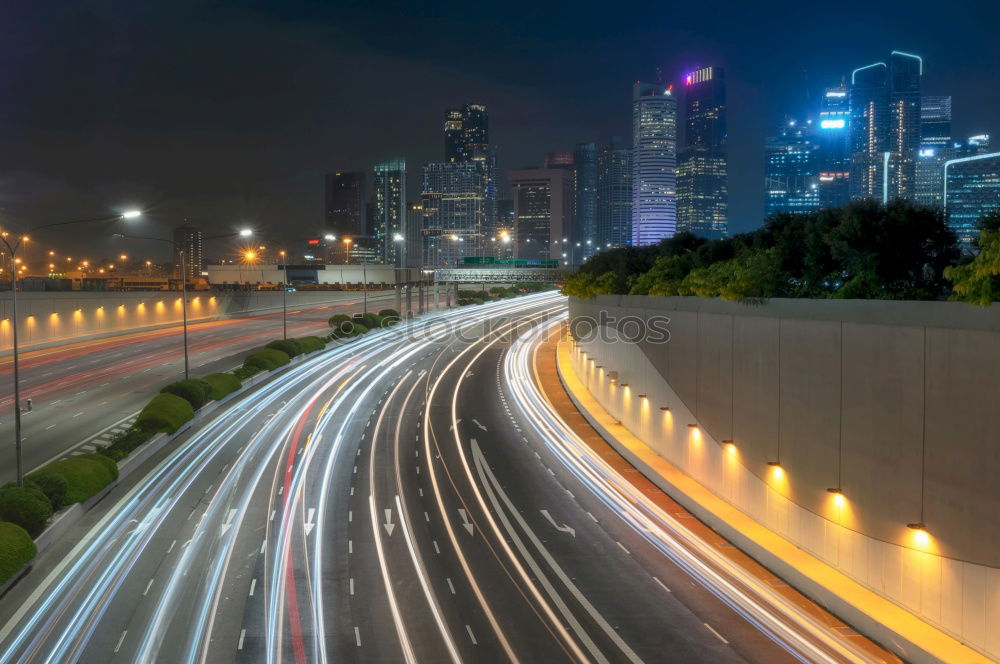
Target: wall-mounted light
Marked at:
624, 384
834, 490
665, 408
730, 446
693, 425
775, 464
642, 396
915, 526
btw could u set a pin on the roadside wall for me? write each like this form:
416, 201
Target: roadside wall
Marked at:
50, 317
895, 403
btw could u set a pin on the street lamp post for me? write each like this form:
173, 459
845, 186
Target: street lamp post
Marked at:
284, 295
184, 278
12, 251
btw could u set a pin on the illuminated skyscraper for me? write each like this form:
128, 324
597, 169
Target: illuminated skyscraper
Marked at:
390, 209
654, 163
885, 128
971, 191
702, 177
614, 196
585, 217
791, 170
935, 122
833, 158
453, 213
542, 200
188, 239
467, 139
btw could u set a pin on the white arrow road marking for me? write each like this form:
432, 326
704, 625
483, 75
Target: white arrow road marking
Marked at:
465, 520
469, 374
452, 426
228, 522
389, 525
310, 524
563, 528
480, 425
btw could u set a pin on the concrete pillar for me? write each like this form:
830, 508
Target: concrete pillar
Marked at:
437, 295
409, 301
447, 296
420, 295
399, 297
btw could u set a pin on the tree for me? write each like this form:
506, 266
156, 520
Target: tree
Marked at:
978, 282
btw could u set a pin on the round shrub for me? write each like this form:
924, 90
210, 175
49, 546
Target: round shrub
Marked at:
51, 484
369, 320
16, 549
195, 391
165, 412
359, 330
311, 344
85, 475
25, 506
336, 319
389, 317
267, 359
221, 384
289, 347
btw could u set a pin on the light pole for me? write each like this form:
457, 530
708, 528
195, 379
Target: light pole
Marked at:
12, 251
184, 277
284, 301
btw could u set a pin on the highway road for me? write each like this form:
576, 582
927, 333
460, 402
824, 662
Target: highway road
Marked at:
82, 392
409, 496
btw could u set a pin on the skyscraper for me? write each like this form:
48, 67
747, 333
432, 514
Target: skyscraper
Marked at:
791, 170
885, 128
542, 198
654, 163
614, 196
833, 157
467, 139
935, 122
345, 204
188, 239
453, 213
390, 209
585, 218
971, 191
702, 181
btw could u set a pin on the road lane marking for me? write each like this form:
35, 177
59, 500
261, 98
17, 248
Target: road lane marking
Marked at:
563, 528
436, 548
122, 638
147, 587
262, 545
592, 517
471, 635
253, 585
351, 580
350, 546
451, 586
717, 635
243, 635
661, 584
623, 547
357, 636
171, 546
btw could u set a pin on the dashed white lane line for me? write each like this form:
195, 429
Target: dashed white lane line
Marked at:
51, 426
451, 586
357, 636
78, 414
243, 635
171, 546
623, 547
717, 635
471, 635
147, 587
436, 548
253, 586
592, 517
121, 639
350, 546
661, 584
262, 545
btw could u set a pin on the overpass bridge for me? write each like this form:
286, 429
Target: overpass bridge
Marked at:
500, 275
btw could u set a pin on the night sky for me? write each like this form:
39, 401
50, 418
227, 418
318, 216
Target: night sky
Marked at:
230, 113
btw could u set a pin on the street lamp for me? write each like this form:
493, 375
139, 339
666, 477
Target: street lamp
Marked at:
12, 248
347, 250
179, 247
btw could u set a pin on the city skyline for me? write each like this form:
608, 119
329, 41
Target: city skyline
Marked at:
284, 152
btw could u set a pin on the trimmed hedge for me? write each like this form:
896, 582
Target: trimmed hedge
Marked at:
53, 485
166, 412
389, 317
16, 549
124, 442
221, 384
336, 319
311, 344
195, 391
85, 474
289, 347
244, 372
267, 359
25, 506
369, 320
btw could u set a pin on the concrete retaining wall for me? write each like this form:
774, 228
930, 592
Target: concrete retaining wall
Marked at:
55, 317
892, 402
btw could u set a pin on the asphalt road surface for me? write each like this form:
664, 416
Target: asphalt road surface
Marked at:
81, 391
395, 499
